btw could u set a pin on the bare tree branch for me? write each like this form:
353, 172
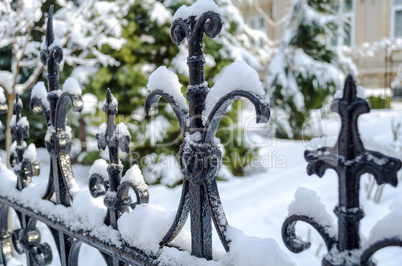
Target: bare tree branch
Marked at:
29, 63
32, 79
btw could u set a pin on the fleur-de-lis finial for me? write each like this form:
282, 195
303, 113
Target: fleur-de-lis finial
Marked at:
114, 137
199, 157
54, 105
22, 160
350, 160
25, 165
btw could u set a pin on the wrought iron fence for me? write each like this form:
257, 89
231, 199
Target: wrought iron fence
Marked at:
199, 158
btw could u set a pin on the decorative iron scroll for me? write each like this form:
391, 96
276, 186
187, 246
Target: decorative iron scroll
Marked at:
200, 158
350, 160
25, 165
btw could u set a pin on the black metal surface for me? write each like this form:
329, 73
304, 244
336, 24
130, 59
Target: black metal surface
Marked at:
27, 239
350, 160
200, 159
120, 201
58, 140
58, 144
126, 254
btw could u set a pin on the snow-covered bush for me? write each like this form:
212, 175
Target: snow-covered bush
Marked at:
306, 69
148, 46
81, 28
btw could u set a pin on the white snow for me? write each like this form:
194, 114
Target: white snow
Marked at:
90, 104
78, 27
22, 122
166, 169
388, 227
256, 204
49, 133
179, 62
238, 76
2, 95
55, 43
156, 129
6, 80
196, 9
102, 129
121, 131
168, 82
151, 223
307, 203
39, 91
99, 167
82, 73
113, 101
291, 62
260, 251
71, 86
30, 152
134, 176
160, 13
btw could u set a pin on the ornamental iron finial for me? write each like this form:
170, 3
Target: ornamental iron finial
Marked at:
117, 199
22, 160
350, 160
54, 104
200, 157
25, 165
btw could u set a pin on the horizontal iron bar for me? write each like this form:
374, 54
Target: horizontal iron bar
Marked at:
131, 255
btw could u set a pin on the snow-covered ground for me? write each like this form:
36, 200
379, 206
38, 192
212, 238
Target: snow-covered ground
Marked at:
257, 204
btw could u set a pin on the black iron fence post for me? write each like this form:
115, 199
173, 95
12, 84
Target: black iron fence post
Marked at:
58, 140
118, 200
200, 158
350, 160
25, 165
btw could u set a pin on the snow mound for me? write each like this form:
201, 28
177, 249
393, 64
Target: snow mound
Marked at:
151, 221
71, 86
196, 9
99, 167
388, 227
308, 203
168, 82
39, 91
30, 152
238, 76
135, 176
247, 250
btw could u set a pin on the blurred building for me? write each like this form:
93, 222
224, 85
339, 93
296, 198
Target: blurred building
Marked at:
371, 34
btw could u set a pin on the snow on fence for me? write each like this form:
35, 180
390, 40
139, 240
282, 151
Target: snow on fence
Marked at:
143, 236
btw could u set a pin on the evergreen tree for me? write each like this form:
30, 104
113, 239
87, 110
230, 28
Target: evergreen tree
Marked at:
148, 46
79, 26
306, 68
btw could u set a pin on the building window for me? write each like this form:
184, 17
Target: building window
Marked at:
345, 34
257, 23
348, 24
396, 19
